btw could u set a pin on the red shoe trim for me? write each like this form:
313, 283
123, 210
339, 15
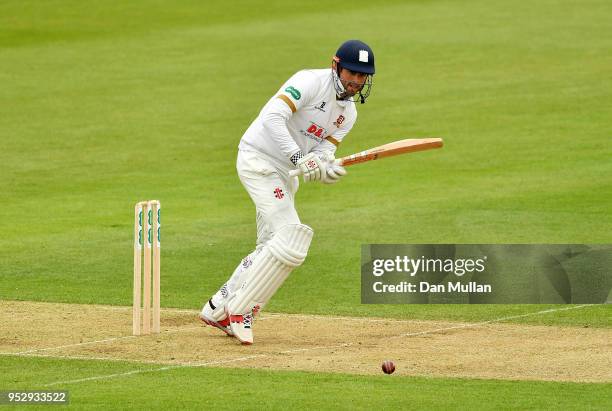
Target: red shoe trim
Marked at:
236, 318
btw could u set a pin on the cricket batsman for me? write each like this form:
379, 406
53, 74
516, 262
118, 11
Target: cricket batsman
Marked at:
300, 128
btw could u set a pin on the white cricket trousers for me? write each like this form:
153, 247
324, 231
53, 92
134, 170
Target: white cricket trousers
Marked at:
273, 193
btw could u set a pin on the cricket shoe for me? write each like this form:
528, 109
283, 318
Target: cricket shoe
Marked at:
242, 327
207, 316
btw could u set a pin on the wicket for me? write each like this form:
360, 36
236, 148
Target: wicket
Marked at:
142, 270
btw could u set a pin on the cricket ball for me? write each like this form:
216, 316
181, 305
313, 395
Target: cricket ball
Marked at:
388, 367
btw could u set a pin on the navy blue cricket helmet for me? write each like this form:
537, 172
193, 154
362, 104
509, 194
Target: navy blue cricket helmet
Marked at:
355, 55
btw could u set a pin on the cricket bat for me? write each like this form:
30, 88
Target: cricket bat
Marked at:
409, 145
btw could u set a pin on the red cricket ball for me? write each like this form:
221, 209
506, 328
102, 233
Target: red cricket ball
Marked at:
388, 367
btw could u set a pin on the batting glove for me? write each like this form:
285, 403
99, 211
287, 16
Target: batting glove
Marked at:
312, 167
333, 171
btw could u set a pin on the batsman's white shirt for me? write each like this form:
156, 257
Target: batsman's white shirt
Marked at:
303, 115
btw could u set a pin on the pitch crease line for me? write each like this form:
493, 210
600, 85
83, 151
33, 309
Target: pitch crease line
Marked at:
497, 320
106, 340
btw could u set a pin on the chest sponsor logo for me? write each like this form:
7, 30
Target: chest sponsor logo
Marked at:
321, 106
315, 130
339, 121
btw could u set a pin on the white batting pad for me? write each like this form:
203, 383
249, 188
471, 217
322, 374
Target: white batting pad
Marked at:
286, 251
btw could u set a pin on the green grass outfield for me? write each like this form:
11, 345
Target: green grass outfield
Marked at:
105, 104
199, 387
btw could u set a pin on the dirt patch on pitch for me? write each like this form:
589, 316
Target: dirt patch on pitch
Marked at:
314, 343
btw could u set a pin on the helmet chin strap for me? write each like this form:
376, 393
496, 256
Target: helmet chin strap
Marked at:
340, 91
